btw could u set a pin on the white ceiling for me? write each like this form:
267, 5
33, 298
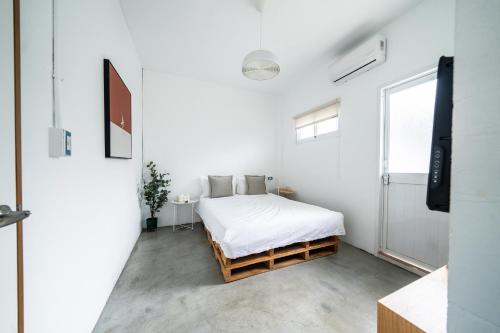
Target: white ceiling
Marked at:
207, 40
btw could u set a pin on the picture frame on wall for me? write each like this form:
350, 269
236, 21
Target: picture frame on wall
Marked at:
117, 114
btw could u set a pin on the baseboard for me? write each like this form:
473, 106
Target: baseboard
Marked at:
421, 271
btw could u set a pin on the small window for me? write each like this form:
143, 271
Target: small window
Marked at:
319, 122
306, 132
327, 126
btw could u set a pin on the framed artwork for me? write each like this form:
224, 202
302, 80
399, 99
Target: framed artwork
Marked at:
117, 114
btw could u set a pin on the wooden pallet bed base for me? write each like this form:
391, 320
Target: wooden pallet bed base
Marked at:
240, 268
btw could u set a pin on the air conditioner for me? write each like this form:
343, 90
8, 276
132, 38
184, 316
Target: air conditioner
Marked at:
361, 59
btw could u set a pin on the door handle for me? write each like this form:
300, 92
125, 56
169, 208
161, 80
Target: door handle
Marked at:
7, 216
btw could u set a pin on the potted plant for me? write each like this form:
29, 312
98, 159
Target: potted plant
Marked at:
155, 194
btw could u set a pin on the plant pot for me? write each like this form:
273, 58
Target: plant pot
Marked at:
151, 224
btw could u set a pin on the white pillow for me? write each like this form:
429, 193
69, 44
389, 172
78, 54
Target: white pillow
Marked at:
241, 185
205, 186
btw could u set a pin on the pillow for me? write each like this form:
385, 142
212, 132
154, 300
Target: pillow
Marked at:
256, 184
205, 186
221, 186
241, 185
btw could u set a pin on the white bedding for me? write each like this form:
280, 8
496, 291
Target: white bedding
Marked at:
247, 224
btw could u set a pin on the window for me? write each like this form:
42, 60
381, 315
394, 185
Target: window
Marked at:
319, 122
305, 132
409, 109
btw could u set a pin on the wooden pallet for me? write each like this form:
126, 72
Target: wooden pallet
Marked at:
240, 268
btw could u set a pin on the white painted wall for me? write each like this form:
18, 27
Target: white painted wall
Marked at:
474, 266
194, 128
86, 216
7, 132
8, 252
343, 172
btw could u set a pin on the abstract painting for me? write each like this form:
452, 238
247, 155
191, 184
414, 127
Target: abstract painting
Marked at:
117, 114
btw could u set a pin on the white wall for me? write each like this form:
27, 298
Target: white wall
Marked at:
474, 266
194, 128
8, 252
343, 172
86, 216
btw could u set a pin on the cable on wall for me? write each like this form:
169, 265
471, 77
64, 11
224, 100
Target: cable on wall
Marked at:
54, 108
59, 138
142, 124
55, 77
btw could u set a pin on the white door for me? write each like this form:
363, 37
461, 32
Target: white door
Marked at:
410, 231
8, 253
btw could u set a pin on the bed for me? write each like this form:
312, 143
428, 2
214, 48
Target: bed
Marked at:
252, 234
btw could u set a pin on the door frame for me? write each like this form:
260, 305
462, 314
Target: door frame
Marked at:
383, 252
18, 160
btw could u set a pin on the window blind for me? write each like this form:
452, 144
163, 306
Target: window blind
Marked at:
312, 117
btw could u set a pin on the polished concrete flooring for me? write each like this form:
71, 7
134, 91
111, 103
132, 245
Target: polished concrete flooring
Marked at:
172, 283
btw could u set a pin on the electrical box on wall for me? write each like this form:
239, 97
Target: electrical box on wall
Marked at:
59, 142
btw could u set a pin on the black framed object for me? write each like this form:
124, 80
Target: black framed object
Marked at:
117, 114
438, 185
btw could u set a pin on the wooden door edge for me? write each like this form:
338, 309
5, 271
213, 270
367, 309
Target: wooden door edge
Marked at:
18, 158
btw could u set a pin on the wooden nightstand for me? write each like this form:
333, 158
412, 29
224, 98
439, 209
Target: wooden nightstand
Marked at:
286, 192
417, 308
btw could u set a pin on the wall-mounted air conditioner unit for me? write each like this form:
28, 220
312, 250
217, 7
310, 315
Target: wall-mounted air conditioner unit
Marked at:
361, 59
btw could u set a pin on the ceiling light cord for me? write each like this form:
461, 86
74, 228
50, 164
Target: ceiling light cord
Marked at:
260, 37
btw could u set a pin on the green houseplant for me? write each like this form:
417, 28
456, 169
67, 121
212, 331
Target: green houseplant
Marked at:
155, 194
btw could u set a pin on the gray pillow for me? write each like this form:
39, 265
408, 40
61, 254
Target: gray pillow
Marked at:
220, 186
256, 184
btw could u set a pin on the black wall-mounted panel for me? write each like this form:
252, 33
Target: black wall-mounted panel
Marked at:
438, 187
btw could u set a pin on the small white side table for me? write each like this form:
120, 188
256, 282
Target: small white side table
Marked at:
182, 226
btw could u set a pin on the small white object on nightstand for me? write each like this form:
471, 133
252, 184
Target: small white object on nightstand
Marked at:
181, 226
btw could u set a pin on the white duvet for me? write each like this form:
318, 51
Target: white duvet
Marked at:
247, 224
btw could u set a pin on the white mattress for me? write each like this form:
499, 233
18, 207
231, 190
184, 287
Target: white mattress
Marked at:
247, 224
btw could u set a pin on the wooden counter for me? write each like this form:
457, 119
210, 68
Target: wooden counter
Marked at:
419, 307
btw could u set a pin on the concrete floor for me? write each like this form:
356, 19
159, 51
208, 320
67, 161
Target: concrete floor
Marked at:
172, 283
